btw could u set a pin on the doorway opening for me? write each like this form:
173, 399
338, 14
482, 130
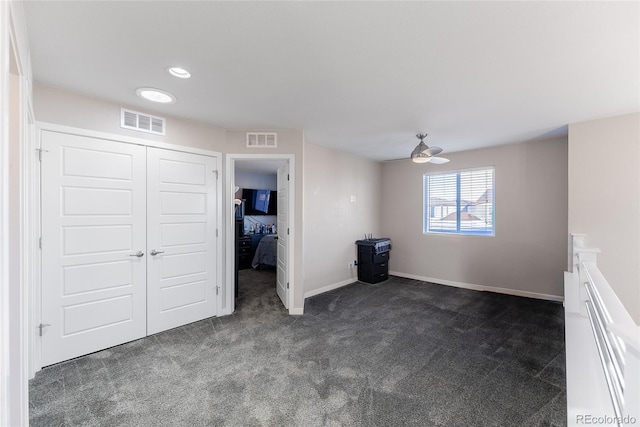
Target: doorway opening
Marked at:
260, 238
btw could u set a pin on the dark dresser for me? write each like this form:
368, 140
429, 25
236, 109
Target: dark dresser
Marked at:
243, 252
373, 259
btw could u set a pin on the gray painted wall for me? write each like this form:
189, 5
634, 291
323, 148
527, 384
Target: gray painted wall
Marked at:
262, 181
61, 107
341, 203
604, 199
528, 252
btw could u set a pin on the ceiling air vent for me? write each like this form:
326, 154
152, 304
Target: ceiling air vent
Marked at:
262, 140
141, 122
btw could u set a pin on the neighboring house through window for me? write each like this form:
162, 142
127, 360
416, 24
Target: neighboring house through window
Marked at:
460, 202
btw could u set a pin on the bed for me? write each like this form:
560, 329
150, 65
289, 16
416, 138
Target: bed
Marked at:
266, 252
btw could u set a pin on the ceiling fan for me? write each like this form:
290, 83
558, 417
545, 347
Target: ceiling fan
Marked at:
425, 154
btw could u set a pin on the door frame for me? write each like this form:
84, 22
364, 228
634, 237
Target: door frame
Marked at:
36, 284
230, 166
16, 268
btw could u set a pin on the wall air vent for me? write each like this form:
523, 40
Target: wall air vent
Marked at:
262, 140
141, 122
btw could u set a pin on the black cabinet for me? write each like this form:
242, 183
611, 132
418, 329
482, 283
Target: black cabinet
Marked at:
243, 256
373, 260
243, 252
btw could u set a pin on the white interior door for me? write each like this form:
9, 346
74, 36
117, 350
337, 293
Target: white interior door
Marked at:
282, 269
181, 238
93, 221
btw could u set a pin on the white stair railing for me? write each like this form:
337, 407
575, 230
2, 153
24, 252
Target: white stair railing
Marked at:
603, 347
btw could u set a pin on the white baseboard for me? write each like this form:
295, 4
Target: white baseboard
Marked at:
330, 287
483, 288
296, 311
292, 311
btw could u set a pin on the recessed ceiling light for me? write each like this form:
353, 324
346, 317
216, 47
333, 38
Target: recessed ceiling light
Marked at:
179, 72
155, 95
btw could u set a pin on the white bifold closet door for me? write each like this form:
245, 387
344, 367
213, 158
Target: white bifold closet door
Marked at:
93, 229
128, 242
181, 236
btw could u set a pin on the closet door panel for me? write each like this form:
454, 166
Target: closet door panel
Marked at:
181, 238
93, 221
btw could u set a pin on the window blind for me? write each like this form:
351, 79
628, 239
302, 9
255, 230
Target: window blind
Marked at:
459, 202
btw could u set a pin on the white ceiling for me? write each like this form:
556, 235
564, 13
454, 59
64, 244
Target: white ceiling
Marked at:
363, 77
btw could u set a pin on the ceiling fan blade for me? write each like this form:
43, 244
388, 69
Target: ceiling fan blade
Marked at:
433, 151
439, 160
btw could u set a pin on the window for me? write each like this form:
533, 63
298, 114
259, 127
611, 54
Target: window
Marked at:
459, 202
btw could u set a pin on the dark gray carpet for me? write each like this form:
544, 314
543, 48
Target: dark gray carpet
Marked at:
397, 353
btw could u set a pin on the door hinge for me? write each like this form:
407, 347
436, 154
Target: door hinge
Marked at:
216, 172
40, 150
287, 231
41, 326
287, 285
287, 177
40, 243
217, 290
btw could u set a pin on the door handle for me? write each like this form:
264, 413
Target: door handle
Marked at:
138, 254
154, 252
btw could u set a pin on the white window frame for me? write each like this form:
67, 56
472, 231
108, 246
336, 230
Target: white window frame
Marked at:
459, 230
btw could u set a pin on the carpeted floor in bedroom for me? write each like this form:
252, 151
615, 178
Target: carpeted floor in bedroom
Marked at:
398, 353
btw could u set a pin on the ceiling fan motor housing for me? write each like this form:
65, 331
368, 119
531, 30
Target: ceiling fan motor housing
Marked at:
423, 153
